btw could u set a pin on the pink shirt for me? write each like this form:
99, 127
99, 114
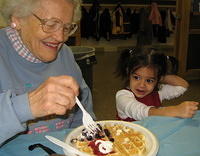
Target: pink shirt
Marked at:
18, 45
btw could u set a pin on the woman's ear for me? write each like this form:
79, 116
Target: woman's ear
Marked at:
15, 23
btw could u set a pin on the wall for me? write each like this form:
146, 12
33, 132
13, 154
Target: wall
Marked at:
2, 21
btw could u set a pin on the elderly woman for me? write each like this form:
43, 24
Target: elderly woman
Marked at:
39, 77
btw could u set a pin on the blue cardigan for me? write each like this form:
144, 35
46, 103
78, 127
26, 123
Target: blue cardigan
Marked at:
18, 76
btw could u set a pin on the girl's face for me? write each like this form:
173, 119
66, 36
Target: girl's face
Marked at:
143, 81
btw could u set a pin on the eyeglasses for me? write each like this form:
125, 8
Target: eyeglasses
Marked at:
54, 24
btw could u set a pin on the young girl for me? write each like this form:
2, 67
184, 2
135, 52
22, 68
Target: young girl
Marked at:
147, 84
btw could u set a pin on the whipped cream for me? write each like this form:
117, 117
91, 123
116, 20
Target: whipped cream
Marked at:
104, 146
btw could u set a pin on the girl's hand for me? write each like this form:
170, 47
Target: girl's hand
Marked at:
186, 109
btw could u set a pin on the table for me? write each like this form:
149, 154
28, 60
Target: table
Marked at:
177, 137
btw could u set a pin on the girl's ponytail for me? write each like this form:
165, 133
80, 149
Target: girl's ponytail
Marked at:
172, 65
123, 63
132, 59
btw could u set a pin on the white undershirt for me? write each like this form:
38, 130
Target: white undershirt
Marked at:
128, 106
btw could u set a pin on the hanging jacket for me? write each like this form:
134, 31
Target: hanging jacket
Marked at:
117, 20
85, 23
135, 21
145, 33
155, 19
127, 20
162, 31
94, 15
155, 16
105, 24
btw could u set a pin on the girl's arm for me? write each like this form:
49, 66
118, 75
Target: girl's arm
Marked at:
174, 80
184, 110
174, 88
128, 106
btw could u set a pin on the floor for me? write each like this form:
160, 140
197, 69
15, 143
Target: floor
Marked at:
114, 44
106, 84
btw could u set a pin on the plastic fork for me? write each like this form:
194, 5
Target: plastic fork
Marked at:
88, 122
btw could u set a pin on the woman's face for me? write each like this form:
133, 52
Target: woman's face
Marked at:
143, 81
45, 46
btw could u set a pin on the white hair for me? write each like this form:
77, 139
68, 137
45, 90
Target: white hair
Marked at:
23, 8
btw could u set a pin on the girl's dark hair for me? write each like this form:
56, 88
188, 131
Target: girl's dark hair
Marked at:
132, 59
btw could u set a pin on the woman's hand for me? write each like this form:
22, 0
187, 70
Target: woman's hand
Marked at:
55, 96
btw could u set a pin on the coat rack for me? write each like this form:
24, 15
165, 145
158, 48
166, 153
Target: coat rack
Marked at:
134, 6
161, 2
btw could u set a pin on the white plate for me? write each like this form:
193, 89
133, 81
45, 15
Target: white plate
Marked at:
152, 144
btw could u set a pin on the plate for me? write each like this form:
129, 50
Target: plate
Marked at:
152, 144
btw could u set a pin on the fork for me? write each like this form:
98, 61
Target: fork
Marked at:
88, 122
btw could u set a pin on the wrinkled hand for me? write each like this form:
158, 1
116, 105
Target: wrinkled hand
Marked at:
55, 96
187, 109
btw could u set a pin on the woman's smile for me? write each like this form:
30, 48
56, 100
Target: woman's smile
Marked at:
51, 45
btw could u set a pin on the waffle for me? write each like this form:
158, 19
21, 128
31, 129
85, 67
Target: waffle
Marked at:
126, 141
